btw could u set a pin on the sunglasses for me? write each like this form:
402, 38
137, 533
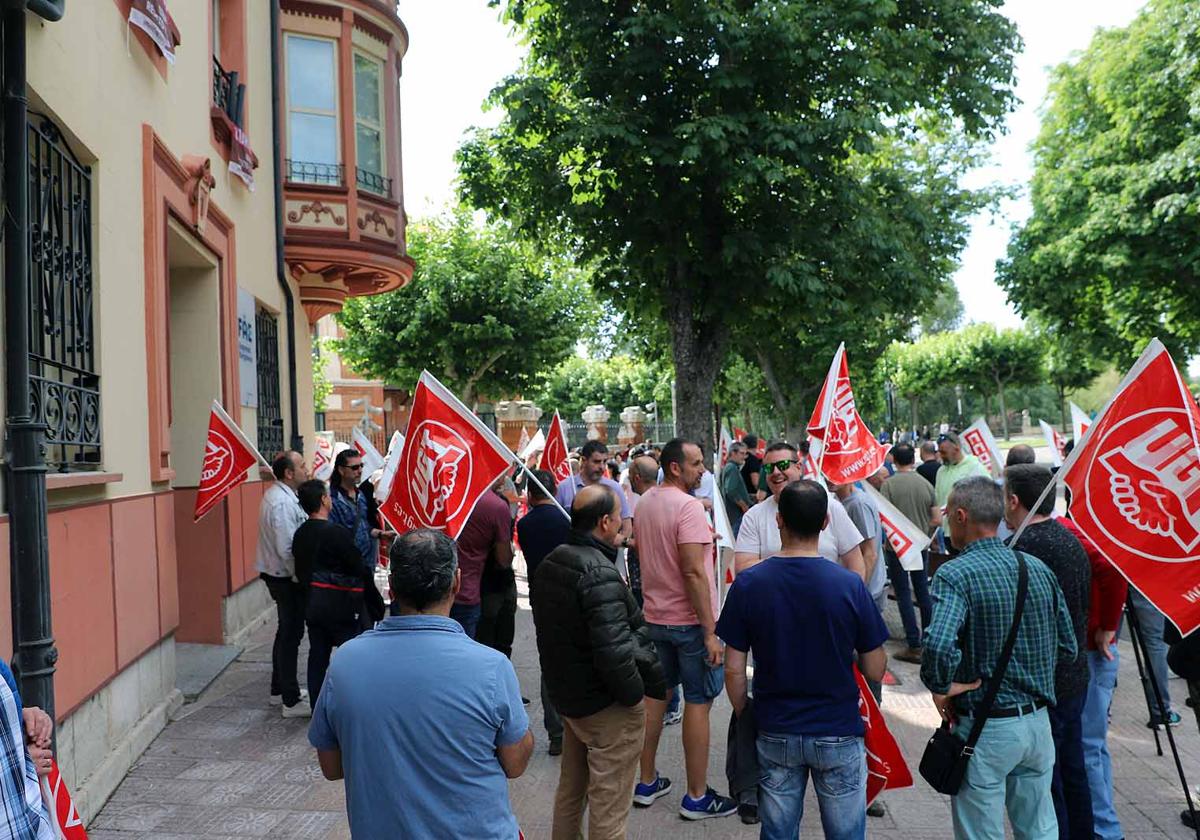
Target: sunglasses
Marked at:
354, 466
781, 466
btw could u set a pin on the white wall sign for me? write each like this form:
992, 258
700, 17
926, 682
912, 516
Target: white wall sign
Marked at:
247, 349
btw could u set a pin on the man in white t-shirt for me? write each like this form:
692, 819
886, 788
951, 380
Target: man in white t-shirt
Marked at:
759, 538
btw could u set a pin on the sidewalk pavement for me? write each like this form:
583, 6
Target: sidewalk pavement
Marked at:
228, 766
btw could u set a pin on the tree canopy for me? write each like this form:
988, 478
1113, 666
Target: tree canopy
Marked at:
484, 310
1111, 252
615, 383
703, 154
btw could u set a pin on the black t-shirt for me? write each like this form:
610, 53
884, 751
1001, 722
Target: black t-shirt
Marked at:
541, 531
929, 469
753, 465
326, 552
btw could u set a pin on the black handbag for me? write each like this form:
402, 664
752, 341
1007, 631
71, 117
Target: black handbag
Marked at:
944, 763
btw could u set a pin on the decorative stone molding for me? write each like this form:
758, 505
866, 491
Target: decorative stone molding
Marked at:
199, 184
596, 417
633, 426
317, 208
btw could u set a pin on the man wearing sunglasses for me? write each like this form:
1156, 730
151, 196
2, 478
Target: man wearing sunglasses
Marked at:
956, 465
759, 537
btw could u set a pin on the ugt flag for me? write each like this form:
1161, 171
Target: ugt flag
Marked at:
1080, 422
67, 823
227, 457
554, 456
886, 769
1055, 441
850, 452
906, 537
979, 441
371, 458
449, 460
1135, 486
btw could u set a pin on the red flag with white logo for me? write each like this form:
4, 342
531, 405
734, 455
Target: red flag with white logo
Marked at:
323, 455
886, 768
449, 460
1135, 486
67, 823
906, 538
849, 451
227, 457
979, 441
554, 456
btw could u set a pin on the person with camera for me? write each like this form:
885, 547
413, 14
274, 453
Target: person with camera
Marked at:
1000, 627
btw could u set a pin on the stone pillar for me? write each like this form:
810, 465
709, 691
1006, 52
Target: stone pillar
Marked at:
514, 415
596, 417
1026, 423
633, 426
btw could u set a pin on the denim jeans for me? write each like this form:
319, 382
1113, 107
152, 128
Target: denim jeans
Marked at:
905, 584
685, 661
1072, 797
1096, 759
1152, 623
839, 770
1011, 771
467, 615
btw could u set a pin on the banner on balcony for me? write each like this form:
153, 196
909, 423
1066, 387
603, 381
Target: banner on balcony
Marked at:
242, 160
152, 17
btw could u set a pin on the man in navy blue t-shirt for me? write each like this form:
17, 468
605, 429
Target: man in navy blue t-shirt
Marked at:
804, 618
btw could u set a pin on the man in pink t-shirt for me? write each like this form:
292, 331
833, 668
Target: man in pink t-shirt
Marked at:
674, 543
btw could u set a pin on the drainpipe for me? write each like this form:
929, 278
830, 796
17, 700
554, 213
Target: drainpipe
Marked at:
29, 557
297, 442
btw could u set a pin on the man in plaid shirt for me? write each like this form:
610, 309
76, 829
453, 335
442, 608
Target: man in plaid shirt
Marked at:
974, 597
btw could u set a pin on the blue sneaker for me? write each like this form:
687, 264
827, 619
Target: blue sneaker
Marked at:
645, 794
712, 804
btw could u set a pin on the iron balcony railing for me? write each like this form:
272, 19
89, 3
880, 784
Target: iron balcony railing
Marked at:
307, 172
228, 93
373, 181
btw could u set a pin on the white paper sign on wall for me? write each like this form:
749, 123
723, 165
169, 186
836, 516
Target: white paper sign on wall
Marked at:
247, 349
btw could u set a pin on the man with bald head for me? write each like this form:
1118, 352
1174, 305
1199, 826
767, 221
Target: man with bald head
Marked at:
598, 664
1022, 453
643, 474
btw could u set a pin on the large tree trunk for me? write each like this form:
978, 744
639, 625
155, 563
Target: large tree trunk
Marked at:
1003, 407
698, 347
780, 399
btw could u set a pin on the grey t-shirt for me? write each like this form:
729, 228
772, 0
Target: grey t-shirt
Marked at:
864, 513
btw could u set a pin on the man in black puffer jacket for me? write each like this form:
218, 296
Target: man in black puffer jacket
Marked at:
598, 663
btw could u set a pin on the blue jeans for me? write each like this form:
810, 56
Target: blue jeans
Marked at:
1011, 770
467, 615
919, 581
1152, 623
685, 661
1096, 759
1072, 798
839, 769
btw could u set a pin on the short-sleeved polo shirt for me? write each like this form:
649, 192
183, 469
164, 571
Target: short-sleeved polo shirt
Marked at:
668, 518
759, 534
417, 710
565, 493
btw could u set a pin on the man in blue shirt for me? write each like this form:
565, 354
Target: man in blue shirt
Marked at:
593, 468
540, 531
804, 618
424, 724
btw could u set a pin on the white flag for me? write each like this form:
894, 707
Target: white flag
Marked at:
1079, 423
523, 441
979, 441
723, 450
535, 444
809, 468
322, 463
390, 465
372, 460
1055, 441
906, 539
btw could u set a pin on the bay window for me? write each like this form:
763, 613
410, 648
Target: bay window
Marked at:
368, 123
312, 119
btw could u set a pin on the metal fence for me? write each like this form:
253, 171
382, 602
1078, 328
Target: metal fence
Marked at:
577, 433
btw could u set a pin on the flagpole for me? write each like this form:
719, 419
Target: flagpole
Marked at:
1053, 485
542, 487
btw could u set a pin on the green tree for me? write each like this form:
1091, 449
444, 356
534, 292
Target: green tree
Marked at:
1111, 252
485, 313
920, 368
615, 383
991, 360
1069, 366
699, 153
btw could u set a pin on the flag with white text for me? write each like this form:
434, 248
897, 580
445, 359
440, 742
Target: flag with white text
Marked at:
980, 442
554, 456
907, 538
886, 768
849, 451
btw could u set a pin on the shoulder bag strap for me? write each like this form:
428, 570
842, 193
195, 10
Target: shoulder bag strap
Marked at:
985, 708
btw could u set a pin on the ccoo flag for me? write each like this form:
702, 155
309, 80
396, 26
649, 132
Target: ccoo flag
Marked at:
849, 451
1135, 486
448, 461
1055, 441
227, 457
1080, 422
906, 538
371, 458
554, 456
323, 455
886, 768
979, 441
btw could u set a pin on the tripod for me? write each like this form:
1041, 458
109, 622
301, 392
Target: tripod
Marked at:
1142, 655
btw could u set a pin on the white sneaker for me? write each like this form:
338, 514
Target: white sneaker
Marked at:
277, 699
300, 710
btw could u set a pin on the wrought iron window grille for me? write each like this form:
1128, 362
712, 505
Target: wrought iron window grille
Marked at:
270, 411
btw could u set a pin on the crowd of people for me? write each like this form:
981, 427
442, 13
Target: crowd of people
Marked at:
631, 637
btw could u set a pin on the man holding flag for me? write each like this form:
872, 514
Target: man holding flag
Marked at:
804, 618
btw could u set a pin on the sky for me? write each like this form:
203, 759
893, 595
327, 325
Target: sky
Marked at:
460, 50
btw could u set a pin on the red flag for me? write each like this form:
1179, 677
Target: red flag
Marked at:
554, 456
1135, 486
886, 768
227, 457
849, 451
61, 807
449, 460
